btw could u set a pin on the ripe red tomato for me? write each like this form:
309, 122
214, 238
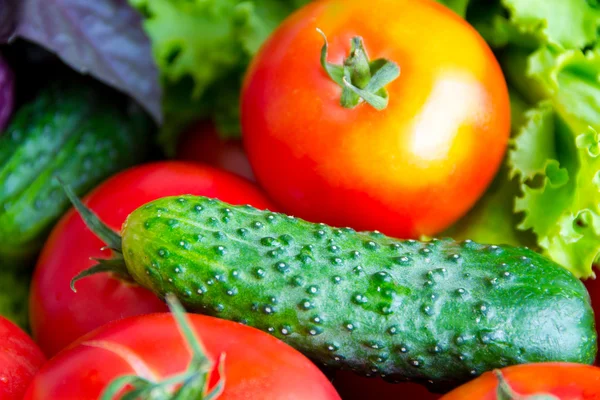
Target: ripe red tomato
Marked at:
257, 365
413, 168
202, 143
20, 358
58, 315
563, 380
353, 387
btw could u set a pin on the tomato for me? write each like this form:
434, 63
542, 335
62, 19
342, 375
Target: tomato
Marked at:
353, 387
58, 315
563, 380
257, 365
411, 169
20, 358
593, 287
202, 143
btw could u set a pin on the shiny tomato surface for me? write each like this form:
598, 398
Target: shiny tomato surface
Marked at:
257, 366
20, 358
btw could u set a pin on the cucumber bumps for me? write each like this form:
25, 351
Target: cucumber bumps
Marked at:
438, 313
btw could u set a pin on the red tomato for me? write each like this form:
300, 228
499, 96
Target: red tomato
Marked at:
593, 287
20, 358
563, 380
353, 387
413, 168
257, 365
58, 315
202, 143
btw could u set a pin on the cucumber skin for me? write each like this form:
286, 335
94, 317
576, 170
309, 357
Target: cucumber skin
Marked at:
78, 132
438, 313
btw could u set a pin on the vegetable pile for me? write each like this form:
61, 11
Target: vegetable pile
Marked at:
291, 199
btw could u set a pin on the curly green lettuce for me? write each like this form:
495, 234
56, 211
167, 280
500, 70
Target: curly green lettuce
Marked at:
549, 187
202, 49
531, 23
556, 157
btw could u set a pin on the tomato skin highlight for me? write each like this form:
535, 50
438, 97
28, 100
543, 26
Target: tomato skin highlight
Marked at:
257, 365
103, 298
20, 358
564, 380
201, 143
411, 169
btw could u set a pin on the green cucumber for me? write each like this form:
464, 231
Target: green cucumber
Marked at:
14, 295
438, 312
79, 131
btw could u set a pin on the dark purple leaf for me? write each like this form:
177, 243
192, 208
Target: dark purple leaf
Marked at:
101, 37
8, 19
6, 93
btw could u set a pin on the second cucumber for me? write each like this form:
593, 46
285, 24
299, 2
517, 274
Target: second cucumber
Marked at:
81, 132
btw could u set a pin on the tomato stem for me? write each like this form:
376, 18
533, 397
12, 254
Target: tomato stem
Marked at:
193, 383
361, 80
116, 264
358, 64
505, 392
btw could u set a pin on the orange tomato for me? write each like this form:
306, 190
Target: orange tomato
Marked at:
563, 380
413, 168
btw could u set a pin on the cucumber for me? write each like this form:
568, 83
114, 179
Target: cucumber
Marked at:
81, 132
439, 312
14, 296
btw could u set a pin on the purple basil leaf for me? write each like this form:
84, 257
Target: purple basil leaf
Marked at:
8, 19
101, 37
6, 93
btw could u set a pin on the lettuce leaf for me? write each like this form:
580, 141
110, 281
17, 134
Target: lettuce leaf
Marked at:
531, 23
549, 187
202, 48
556, 157
565, 211
570, 24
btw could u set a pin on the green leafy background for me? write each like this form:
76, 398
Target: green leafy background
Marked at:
202, 48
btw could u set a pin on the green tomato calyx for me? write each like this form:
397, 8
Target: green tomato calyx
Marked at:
361, 80
506, 392
193, 383
115, 265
